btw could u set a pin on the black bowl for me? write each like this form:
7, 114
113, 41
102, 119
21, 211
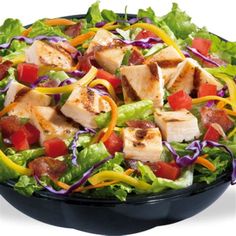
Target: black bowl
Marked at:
110, 216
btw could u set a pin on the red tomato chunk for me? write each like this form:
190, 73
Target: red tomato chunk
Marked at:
207, 90
114, 144
27, 73
55, 147
180, 100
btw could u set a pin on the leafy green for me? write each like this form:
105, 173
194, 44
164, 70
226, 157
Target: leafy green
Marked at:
27, 185
147, 174
40, 28
179, 22
93, 15
137, 110
229, 70
115, 163
20, 158
109, 15
185, 180
126, 58
86, 159
61, 75
10, 28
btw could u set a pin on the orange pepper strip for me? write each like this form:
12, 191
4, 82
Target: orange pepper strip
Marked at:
6, 109
114, 116
204, 162
100, 185
52, 22
81, 38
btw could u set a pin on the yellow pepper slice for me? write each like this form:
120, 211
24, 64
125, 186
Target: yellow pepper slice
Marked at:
207, 98
68, 88
160, 33
12, 165
106, 84
8, 108
112, 175
232, 133
231, 86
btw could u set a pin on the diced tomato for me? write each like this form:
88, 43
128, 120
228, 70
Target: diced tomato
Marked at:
207, 90
19, 140
145, 34
9, 125
180, 100
112, 79
55, 147
48, 166
165, 170
27, 73
114, 143
212, 115
32, 133
211, 134
202, 45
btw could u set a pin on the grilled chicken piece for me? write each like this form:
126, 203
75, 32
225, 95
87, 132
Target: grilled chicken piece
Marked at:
110, 58
143, 82
189, 76
24, 97
101, 38
50, 123
142, 144
168, 59
49, 54
177, 126
83, 105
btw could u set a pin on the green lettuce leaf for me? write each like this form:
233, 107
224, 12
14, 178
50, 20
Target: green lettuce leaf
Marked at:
109, 15
27, 185
179, 22
229, 70
93, 15
115, 163
20, 158
40, 28
61, 75
137, 110
86, 159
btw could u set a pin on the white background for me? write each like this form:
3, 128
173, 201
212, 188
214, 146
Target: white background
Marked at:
220, 18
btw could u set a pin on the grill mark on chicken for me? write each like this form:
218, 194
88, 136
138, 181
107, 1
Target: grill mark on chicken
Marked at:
154, 71
129, 90
138, 144
140, 134
21, 93
168, 63
196, 78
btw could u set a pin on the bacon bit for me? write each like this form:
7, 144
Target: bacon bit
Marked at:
136, 58
4, 68
142, 124
213, 115
48, 166
74, 30
9, 125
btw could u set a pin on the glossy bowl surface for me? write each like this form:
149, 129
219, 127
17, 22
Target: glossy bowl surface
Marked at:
110, 216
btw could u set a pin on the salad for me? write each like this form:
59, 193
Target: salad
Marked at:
111, 106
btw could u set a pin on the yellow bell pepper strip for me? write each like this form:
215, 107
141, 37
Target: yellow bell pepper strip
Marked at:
112, 175
207, 98
159, 33
68, 88
108, 26
231, 86
220, 105
100, 185
52, 22
13, 166
229, 112
8, 108
232, 133
81, 38
18, 59
204, 162
107, 85
114, 117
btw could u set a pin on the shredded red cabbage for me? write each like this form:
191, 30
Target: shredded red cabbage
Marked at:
73, 146
99, 90
135, 20
197, 146
142, 43
3, 90
100, 24
234, 172
204, 58
27, 40
39, 80
80, 182
76, 73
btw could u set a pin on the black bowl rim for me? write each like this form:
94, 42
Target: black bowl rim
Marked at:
83, 199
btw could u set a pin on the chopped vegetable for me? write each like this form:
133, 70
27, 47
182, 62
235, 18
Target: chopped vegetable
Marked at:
180, 100
55, 147
27, 73
202, 45
207, 90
